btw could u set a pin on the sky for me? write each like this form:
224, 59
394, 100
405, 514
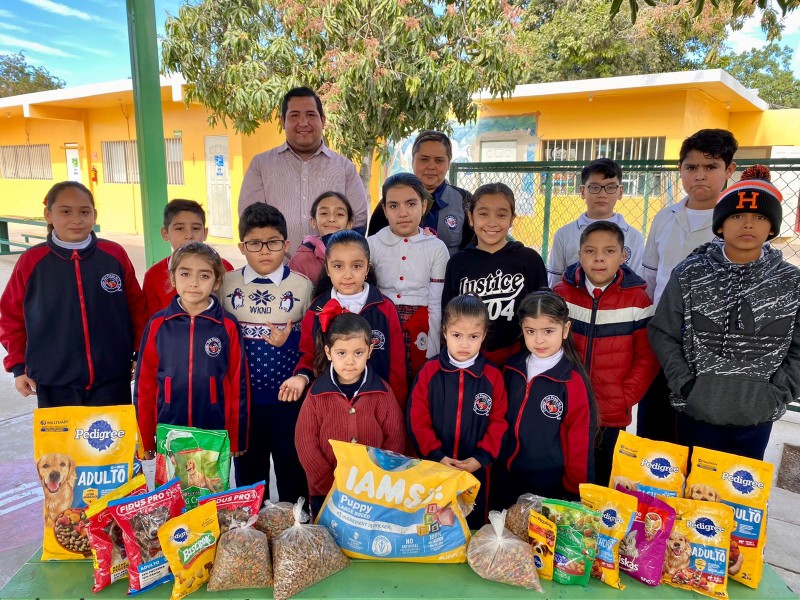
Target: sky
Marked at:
85, 41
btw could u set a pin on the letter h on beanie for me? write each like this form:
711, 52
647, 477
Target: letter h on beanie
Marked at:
753, 193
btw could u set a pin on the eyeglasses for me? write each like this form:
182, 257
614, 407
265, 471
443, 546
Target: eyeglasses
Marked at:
610, 188
257, 245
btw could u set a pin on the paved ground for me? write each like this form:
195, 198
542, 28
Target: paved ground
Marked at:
20, 494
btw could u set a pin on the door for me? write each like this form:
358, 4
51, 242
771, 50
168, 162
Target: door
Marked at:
218, 186
73, 164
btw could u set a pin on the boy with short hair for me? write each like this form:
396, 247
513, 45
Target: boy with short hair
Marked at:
269, 300
601, 188
728, 329
609, 309
184, 221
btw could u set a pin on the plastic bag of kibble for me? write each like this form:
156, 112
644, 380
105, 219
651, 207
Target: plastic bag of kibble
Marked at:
242, 560
275, 518
519, 514
496, 554
303, 555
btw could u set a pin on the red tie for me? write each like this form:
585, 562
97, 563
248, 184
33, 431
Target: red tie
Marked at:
597, 292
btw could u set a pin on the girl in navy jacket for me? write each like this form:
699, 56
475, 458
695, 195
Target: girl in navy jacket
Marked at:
193, 331
549, 448
456, 415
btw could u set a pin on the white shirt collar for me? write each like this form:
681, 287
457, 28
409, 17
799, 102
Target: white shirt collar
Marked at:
210, 303
536, 366
584, 221
72, 245
390, 238
353, 303
592, 287
462, 364
251, 275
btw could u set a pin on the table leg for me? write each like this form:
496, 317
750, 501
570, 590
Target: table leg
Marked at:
4, 248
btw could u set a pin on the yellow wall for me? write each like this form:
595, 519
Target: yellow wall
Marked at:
770, 128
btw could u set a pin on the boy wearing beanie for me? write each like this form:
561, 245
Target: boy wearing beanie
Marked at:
727, 330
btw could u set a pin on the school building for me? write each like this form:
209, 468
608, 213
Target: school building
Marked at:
88, 134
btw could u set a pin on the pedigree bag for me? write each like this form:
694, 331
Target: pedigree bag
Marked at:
743, 484
655, 468
385, 506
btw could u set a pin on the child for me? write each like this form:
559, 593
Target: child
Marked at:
330, 212
184, 221
457, 410
409, 267
347, 402
72, 314
269, 300
347, 262
609, 310
706, 163
191, 367
601, 188
727, 329
499, 271
548, 449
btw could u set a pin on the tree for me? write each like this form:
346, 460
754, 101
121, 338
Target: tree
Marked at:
384, 68
18, 77
769, 69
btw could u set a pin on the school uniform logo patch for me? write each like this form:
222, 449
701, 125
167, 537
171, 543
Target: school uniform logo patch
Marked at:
237, 298
451, 222
213, 346
482, 404
287, 301
628, 254
111, 283
378, 339
552, 407
422, 341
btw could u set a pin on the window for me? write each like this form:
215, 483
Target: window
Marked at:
121, 161
30, 161
174, 148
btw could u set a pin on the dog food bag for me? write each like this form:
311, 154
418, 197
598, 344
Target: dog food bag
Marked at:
698, 547
518, 515
303, 555
496, 554
140, 518
616, 511
275, 518
189, 542
542, 535
743, 484
105, 536
655, 468
576, 540
82, 453
236, 507
201, 458
243, 559
642, 550
385, 506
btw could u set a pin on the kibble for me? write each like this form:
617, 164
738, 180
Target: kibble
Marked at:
518, 515
275, 518
70, 531
242, 561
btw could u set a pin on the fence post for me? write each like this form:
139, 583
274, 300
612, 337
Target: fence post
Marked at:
548, 196
453, 174
646, 202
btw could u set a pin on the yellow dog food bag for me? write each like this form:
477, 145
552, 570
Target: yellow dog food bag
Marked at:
698, 547
542, 534
82, 453
655, 468
744, 484
189, 543
386, 506
616, 510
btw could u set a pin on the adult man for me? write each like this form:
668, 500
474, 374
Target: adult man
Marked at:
292, 175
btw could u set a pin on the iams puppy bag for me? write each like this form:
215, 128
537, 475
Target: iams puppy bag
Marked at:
648, 466
81, 454
385, 506
744, 484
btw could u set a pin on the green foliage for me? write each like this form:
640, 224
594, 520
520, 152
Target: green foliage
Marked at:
18, 77
768, 69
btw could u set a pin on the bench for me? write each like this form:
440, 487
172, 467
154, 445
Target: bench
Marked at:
6, 243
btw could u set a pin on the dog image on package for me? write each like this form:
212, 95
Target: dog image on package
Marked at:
655, 468
743, 484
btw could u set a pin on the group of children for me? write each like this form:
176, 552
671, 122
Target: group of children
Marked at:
387, 341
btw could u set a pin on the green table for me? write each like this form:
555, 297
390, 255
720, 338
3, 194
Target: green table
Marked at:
365, 580
6, 242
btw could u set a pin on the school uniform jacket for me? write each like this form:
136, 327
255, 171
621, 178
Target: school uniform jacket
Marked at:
372, 418
551, 426
610, 333
388, 348
158, 288
192, 371
456, 412
72, 317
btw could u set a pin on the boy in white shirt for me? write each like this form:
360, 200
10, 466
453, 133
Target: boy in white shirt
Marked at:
601, 188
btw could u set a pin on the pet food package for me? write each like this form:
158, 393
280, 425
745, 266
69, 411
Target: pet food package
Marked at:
275, 518
105, 536
82, 453
189, 542
140, 517
698, 547
243, 559
386, 506
303, 555
655, 468
576, 540
496, 554
642, 550
744, 484
542, 534
201, 458
235, 507
616, 510
518, 515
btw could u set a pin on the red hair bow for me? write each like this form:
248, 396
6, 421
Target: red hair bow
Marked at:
331, 309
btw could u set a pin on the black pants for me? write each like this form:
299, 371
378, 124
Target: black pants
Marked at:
108, 393
656, 418
748, 440
604, 454
272, 432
